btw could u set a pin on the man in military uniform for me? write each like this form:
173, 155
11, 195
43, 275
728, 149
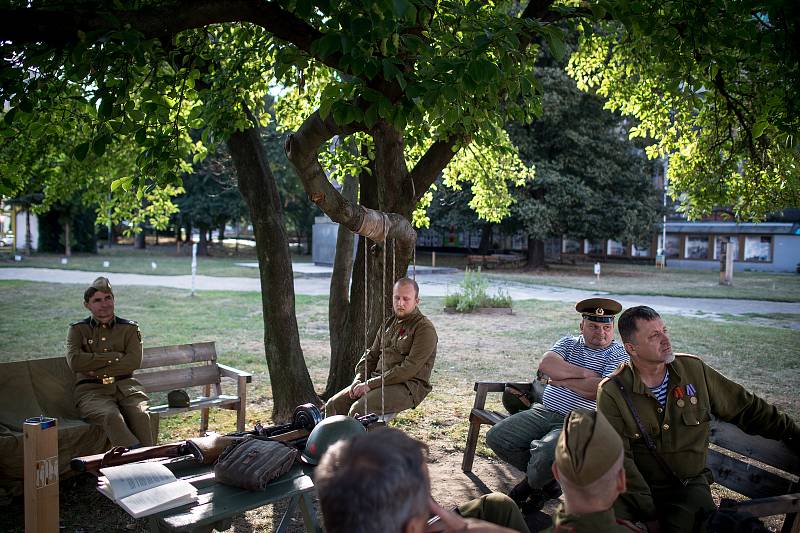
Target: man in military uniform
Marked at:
103, 350
399, 363
379, 481
574, 366
674, 397
589, 466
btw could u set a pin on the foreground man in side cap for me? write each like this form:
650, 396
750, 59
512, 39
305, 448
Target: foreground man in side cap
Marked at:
378, 482
103, 350
574, 365
589, 466
674, 397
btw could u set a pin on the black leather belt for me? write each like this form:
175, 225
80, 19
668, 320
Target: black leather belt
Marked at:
105, 381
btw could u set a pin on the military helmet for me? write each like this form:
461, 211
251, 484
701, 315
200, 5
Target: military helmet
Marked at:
328, 432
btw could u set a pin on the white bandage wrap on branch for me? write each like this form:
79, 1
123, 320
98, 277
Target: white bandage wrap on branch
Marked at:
375, 225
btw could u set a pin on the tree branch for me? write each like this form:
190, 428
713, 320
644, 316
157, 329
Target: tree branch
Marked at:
435, 159
302, 148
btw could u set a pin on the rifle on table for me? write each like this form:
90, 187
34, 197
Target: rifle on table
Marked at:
207, 449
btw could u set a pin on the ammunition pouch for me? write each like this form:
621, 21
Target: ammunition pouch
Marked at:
253, 463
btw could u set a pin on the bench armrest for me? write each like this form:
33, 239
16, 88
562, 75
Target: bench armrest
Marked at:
235, 373
783, 504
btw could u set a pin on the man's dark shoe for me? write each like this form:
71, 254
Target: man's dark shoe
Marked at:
534, 503
520, 492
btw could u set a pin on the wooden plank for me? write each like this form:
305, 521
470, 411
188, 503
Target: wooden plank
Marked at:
224, 402
489, 386
487, 417
786, 503
179, 378
767, 451
179, 354
746, 479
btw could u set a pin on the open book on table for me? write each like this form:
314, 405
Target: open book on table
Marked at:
145, 488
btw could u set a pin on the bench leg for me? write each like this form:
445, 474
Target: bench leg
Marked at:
240, 410
204, 412
472, 443
288, 514
309, 514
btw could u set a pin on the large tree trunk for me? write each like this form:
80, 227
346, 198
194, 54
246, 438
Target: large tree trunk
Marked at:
202, 245
221, 236
291, 383
67, 245
485, 246
139, 240
28, 232
342, 358
535, 253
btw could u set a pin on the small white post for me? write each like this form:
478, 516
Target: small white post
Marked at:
194, 264
433, 259
597, 271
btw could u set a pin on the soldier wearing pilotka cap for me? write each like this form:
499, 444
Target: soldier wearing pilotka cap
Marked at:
103, 350
589, 466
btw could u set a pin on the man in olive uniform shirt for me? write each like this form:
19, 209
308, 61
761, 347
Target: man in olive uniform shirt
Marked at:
589, 467
103, 350
400, 361
675, 396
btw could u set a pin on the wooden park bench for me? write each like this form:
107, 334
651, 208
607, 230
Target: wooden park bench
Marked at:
184, 366
764, 470
491, 261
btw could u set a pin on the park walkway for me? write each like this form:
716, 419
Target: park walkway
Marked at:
437, 283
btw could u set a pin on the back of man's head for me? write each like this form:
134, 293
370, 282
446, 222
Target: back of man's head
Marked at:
588, 462
375, 482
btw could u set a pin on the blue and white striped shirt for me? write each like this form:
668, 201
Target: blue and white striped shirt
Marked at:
574, 351
660, 392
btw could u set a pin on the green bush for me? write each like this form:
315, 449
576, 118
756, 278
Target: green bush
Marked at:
473, 294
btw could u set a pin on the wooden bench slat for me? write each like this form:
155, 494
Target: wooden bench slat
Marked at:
178, 354
179, 378
746, 479
487, 417
224, 401
766, 451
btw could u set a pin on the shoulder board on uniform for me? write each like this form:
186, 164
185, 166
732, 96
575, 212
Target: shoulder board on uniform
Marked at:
126, 321
620, 368
686, 355
86, 320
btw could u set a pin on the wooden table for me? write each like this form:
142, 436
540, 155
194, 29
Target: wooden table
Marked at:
218, 504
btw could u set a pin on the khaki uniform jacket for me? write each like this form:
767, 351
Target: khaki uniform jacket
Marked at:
681, 433
599, 522
97, 350
408, 355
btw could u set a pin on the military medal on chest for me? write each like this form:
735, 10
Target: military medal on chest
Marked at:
679, 394
692, 393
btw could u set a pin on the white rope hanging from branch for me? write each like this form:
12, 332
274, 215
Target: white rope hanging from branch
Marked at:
375, 225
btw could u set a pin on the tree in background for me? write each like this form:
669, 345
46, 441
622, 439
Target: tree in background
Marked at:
591, 181
211, 197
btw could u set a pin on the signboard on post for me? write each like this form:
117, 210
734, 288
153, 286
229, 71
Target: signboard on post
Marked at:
40, 436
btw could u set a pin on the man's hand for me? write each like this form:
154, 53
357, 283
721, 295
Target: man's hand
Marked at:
450, 522
358, 389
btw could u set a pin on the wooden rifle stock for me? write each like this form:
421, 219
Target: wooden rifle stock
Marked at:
121, 456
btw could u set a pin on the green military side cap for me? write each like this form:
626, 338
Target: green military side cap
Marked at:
102, 284
587, 448
598, 309
178, 398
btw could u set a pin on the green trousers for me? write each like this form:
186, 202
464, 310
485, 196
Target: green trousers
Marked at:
396, 398
120, 408
495, 508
